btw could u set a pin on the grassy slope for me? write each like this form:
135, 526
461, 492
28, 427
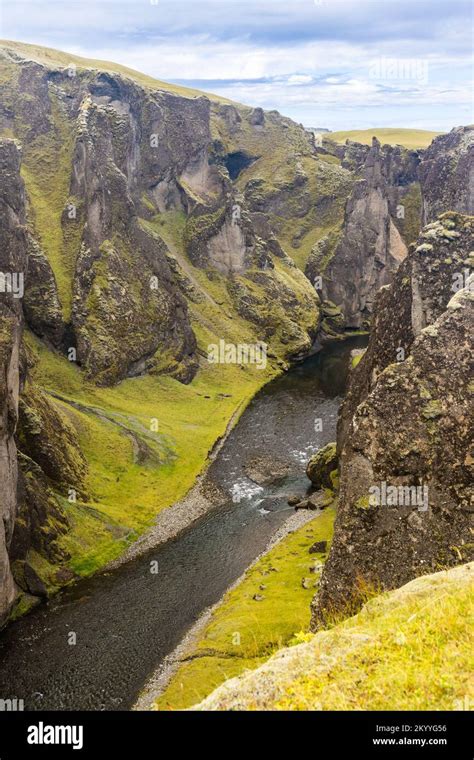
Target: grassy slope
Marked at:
410, 649
409, 138
262, 626
60, 59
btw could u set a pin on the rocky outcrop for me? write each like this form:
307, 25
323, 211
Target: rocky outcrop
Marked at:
426, 282
406, 500
41, 305
13, 262
53, 473
447, 174
127, 308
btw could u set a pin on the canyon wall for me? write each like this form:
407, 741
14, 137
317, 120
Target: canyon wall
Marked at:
406, 499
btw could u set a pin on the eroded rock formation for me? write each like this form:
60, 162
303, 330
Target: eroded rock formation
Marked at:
109, 162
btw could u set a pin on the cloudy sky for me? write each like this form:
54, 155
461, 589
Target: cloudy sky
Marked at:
341, 64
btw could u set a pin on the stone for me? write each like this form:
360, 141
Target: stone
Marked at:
319, 547
294, 500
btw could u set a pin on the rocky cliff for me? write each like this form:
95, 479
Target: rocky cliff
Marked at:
138, 248
370, 247
405, 437
108, 162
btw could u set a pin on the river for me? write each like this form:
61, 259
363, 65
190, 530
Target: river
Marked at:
127, 621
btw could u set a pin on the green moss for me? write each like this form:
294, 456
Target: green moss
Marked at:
410, 225
45, 569
432, 410
199, 229
363, 503
356, 359
334, 476
24, 604
242, 631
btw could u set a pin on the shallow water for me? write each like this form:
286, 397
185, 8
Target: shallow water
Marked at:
127, 621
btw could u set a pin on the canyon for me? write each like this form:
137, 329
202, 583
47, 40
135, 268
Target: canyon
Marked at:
151, 222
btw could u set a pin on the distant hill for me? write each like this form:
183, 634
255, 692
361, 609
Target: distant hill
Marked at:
409, 138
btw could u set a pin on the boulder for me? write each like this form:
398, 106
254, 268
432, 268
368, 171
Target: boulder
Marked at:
321, 465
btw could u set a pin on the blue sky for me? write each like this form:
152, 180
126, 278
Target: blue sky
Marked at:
341, 64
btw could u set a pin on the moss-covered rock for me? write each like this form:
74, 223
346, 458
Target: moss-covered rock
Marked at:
321, 467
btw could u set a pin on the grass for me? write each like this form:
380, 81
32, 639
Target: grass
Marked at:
410, 649
408, 138
356, 359
417, 656
242, 632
